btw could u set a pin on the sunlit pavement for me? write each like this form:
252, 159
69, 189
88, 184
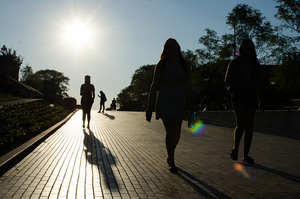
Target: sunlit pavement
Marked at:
124, 156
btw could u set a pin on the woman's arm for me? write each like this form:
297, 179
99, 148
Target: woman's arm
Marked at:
153, 89
81, 90
189, 86
93, 92
229, 76
260, 93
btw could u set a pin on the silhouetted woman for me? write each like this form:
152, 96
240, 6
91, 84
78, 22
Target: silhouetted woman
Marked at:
171, 74
87, 92
243, 75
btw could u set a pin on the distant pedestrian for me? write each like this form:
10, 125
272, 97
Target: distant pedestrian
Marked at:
87, 92
114, 104
243, 75
170, 75
102, 101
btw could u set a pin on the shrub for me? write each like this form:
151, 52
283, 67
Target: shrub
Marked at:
20, 122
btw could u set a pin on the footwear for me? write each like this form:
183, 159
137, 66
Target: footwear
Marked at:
173, 170
99, 112
234, 154
88, 126
83, 126
248, 160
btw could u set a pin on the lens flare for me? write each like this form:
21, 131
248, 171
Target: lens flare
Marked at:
238, 167
198, 129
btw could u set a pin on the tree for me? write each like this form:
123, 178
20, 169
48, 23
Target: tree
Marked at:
30, 78
135, 96
286, 76
27, 73
54, 85
289, 13
209, 63
125, 99
248, 22
11, 55
285, 80
210, 42
227, 46
9, 63
191, 58
50, 82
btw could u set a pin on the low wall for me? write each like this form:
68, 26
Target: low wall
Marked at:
277, 120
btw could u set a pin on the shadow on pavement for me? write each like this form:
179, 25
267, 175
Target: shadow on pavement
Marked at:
256, 129
188, 178
97, 154
109, 116
276, 172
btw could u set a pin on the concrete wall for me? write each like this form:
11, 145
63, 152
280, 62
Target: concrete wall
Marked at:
277, 120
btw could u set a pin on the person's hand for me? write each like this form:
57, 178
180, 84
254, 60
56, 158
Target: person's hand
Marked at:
261, 108
149, 111
193, 105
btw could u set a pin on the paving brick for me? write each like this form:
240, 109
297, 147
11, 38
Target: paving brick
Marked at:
123, 156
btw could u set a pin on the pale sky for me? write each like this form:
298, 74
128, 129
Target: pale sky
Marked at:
117, 36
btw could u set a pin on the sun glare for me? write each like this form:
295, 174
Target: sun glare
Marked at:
77, 34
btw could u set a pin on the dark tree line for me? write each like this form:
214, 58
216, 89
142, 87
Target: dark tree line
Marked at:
135, 96
278, 53
51, 83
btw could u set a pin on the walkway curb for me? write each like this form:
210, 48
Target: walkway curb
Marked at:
13, 157
18, 101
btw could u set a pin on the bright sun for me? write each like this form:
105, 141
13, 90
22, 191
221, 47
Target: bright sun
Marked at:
77, 34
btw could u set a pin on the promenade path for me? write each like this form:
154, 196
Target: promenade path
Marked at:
124, 156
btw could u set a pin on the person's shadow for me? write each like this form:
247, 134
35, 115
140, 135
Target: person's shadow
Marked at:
276, 172
189, 178
109, 116
97, 154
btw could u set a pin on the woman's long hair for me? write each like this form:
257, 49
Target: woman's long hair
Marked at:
165, 56
87, 79
253, 57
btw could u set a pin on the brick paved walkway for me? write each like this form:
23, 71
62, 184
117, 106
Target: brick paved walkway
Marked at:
123, 156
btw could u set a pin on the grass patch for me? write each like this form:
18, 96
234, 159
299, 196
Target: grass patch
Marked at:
23, 121
4, 97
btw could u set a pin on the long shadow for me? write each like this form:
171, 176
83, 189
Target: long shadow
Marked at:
276, 172
109, 116
187, 177
295, 136
97, 154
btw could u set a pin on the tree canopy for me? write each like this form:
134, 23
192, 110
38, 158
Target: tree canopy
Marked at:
289, 13
11, 55
135, 96
50, 82
280, 52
